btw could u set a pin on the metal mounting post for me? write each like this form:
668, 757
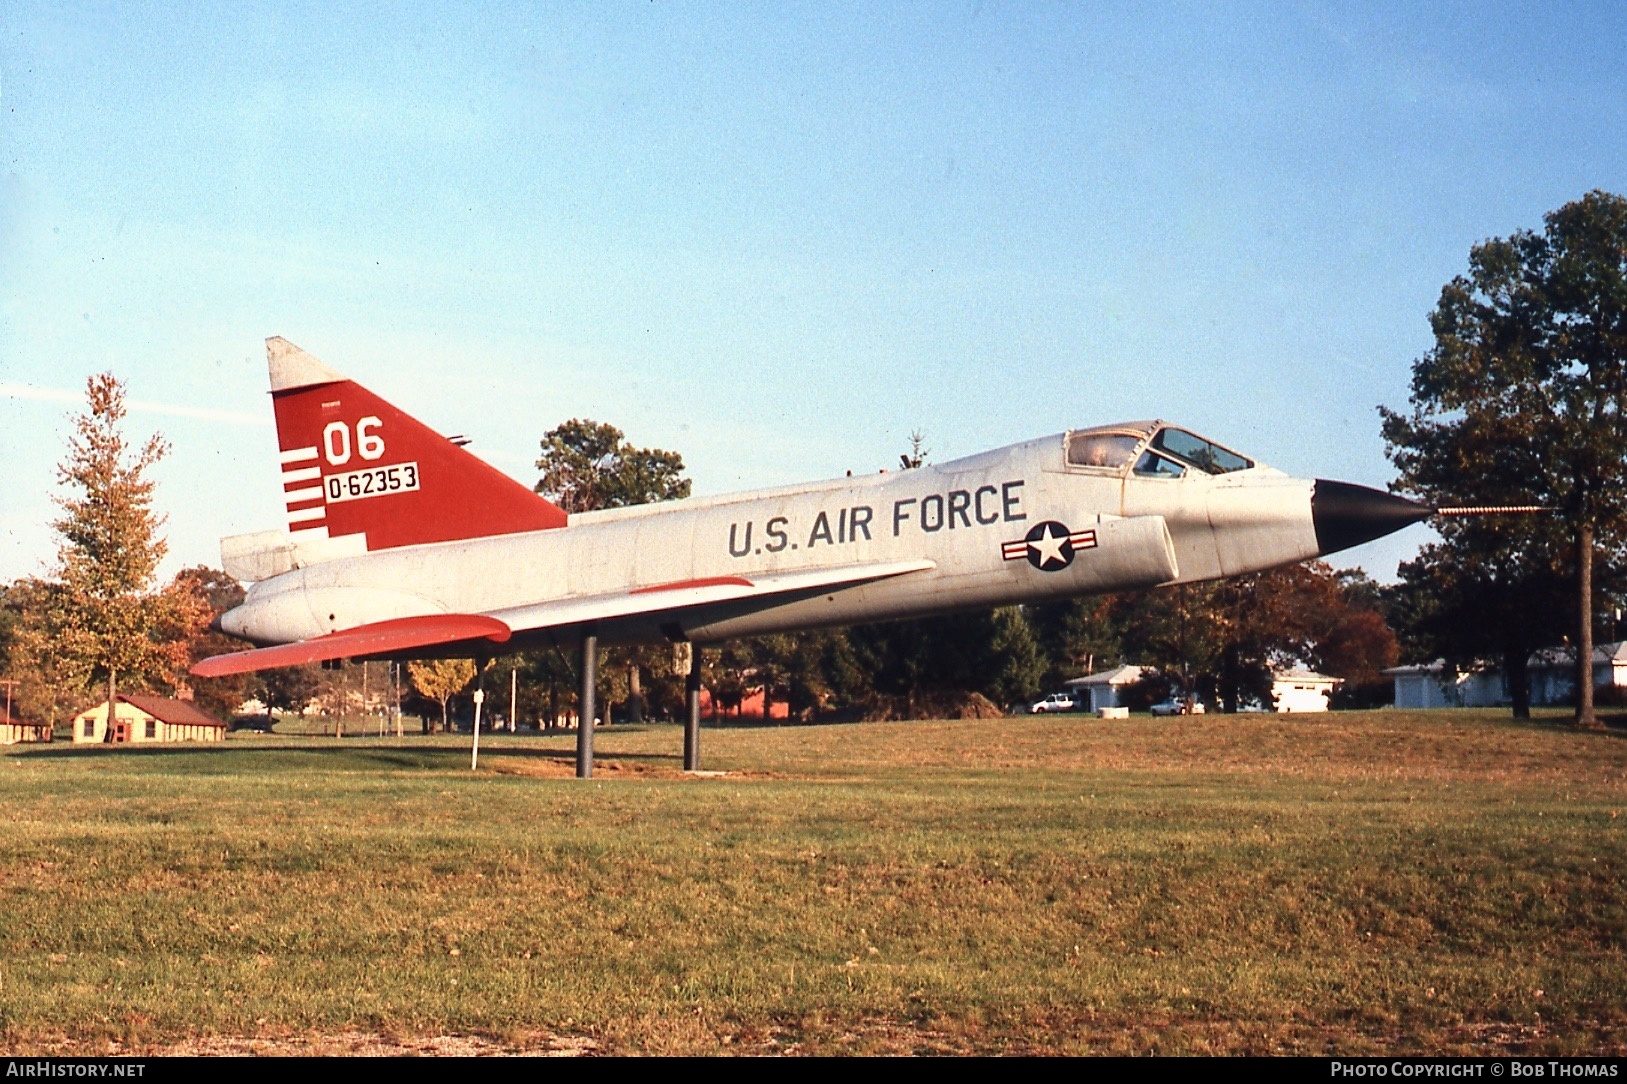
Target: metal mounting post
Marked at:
584, 725
692, 720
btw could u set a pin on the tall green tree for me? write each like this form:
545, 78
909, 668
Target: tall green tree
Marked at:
1020, 663
903, 668
1079, 637
1523, 399
586, 466
589, 465
291, 688
98, 619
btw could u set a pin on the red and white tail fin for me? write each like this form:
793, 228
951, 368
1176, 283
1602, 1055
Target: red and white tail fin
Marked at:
353, 465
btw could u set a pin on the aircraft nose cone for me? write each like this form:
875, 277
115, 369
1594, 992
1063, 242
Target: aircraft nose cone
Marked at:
230, 622
1346, 515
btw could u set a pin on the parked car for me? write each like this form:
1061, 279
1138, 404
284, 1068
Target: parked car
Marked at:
1054, 702
1177, 707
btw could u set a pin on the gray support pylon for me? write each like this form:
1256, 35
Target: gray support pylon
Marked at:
692, 721
584, 724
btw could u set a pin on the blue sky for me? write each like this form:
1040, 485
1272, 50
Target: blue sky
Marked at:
774, 238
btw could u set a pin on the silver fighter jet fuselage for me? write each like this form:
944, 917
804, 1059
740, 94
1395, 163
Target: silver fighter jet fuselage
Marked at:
391, 572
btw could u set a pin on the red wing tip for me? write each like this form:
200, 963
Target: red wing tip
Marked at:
380, 637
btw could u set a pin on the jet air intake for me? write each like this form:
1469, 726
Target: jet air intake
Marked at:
1346, 515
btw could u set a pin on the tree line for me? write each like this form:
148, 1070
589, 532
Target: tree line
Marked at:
1522, 400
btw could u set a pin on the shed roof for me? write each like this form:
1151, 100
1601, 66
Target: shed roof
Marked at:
1438, 669
1306, 676
1119, 675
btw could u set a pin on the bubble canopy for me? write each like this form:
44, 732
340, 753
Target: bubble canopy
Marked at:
1155, 449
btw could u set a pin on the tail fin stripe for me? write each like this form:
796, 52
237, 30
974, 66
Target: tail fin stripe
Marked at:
297, 455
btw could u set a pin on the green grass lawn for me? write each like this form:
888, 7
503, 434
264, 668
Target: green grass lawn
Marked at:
1354, 883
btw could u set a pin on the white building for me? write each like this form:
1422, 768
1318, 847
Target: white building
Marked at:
1106, 689
1432, 685
1551, 673
1297, 691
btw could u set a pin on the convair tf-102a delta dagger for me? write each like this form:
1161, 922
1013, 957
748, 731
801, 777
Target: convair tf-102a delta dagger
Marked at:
400, 543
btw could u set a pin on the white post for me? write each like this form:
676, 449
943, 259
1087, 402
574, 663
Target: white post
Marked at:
513, 699
474, 750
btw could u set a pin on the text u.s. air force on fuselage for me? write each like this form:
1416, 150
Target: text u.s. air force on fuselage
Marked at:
956, 509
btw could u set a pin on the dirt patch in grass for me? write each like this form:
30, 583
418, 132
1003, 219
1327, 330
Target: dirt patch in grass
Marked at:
337, 1044
559, 768
605, 768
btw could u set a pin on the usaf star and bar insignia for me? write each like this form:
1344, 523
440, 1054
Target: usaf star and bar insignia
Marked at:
1049, 546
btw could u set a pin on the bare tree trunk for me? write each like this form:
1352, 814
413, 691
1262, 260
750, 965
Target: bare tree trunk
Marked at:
112, 702
1229, 680
635, 695
1585, 716
1519, 682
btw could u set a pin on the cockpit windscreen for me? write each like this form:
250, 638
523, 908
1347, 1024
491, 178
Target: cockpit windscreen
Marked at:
1200, 453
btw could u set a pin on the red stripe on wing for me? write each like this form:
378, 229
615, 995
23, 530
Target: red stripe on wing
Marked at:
679, 585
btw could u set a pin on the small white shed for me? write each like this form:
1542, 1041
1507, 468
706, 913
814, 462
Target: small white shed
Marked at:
1104, 690
1297, 691
1429, 685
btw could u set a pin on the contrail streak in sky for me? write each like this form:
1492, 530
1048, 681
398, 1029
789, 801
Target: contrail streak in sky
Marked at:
135, 406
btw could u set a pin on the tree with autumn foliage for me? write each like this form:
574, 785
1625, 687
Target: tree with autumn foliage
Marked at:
1223, 641
217, 593
98, 621
441, 680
